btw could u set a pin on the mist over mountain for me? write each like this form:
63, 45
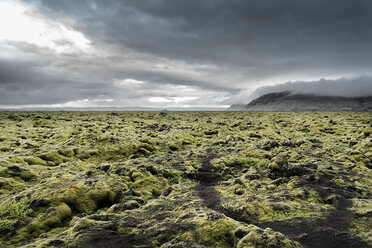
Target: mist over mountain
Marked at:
343, 87
291, 101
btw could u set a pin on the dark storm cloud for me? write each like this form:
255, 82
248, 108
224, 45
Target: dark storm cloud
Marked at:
26, 83
207, 50
272, 35
75, 80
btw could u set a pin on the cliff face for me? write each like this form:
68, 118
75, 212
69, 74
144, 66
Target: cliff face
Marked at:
285, 101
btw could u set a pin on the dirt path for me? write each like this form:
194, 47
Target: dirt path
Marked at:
208, 178
330, 231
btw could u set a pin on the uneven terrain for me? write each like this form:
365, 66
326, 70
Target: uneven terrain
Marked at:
185, 179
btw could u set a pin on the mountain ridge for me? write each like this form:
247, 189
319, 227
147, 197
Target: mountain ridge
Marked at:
287, 101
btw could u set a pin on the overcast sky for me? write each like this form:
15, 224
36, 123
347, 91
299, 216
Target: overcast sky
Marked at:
180, 53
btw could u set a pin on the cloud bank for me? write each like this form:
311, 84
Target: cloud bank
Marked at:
348, 87
186, 52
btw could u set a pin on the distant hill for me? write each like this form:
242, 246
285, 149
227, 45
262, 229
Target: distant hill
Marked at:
287, 101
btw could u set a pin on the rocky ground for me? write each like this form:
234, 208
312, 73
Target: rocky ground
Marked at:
185, 179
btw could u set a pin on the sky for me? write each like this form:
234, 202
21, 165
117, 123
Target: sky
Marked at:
180, 53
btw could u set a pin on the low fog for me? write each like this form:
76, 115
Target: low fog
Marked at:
347, 87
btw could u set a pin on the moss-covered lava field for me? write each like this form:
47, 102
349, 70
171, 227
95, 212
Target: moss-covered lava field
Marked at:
185, 179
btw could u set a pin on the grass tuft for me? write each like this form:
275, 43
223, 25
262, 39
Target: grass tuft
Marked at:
11, 212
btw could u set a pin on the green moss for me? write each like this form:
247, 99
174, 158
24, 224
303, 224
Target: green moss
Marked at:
10, 184
174, 179
85, 197
83, 156
12, 211
173, 147
67, 152
148, 147
151, 184
17, 172
81, 224
211, 132
53, 217
137, 175
16, 160
218, 233
127, 205
262, 164
54, 157
277, 215
27, 175
7, 225
78, 199
124, 163
128, 149
234, 161
263, 238
239, 190
34, 161
4, 172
